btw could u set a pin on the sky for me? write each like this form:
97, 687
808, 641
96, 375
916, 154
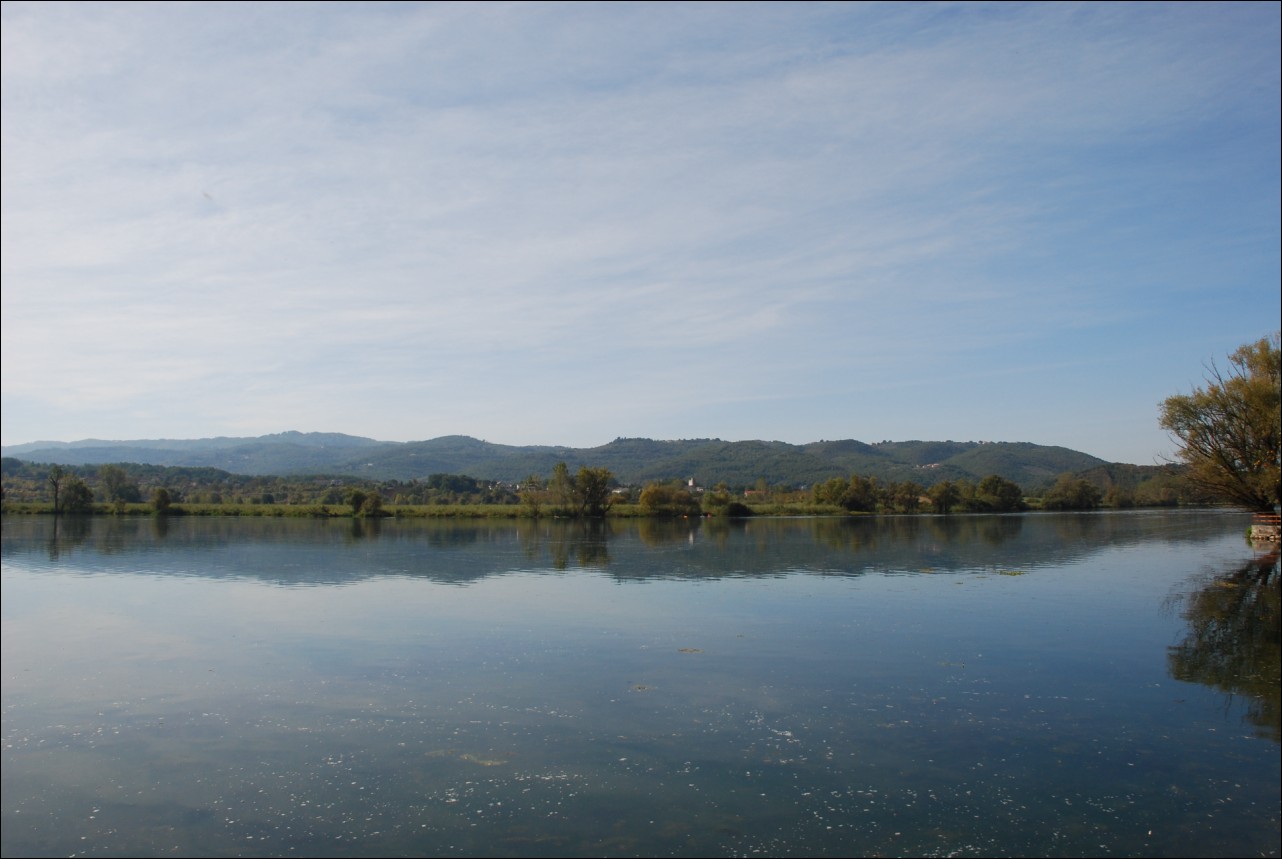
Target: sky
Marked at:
546, 223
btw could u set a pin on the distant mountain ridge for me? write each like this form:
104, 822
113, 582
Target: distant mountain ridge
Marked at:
305, 439
632, 460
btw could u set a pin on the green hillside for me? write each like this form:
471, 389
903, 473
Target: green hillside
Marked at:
632, 460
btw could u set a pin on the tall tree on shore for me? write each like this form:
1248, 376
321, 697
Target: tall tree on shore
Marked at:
56, 476
1230, 432
592, 487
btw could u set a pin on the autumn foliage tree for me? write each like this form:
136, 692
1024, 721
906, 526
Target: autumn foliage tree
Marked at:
1230, 432
669, 499
585, 494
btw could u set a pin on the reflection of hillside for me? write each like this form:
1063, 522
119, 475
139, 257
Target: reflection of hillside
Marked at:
332, 551
1234, 642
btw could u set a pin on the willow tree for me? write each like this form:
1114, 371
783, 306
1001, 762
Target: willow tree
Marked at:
1230, 432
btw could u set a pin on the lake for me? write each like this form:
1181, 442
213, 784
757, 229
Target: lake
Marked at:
1028, 685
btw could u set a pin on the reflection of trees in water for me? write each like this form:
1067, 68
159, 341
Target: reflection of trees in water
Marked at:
720, 530
364, 528
288, 551
661, 532
1077, 527
999, 530
1234, 641
913, 542
69, 532
585, 540
115, 534
452, 535
850, 535
862, 534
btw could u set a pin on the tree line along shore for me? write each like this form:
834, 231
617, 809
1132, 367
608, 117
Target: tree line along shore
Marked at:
591, 492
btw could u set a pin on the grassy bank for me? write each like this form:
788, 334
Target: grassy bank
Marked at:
393, 511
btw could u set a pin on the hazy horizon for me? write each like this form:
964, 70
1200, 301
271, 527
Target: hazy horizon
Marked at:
91, 439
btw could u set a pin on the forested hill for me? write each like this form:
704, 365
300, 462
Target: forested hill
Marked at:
632, 460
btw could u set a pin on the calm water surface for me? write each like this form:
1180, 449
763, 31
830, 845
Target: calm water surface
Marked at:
1060, 685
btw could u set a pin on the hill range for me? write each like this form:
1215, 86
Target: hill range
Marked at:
632, 460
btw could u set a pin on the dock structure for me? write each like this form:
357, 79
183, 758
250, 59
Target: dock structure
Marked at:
1265, 527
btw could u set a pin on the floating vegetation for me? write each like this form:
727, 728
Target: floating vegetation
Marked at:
454, 754
480, 761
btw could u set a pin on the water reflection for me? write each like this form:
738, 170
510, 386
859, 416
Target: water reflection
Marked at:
817, 687
1234, 640
309, 551
66, 533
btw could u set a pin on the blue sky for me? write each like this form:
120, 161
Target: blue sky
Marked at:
563, 223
